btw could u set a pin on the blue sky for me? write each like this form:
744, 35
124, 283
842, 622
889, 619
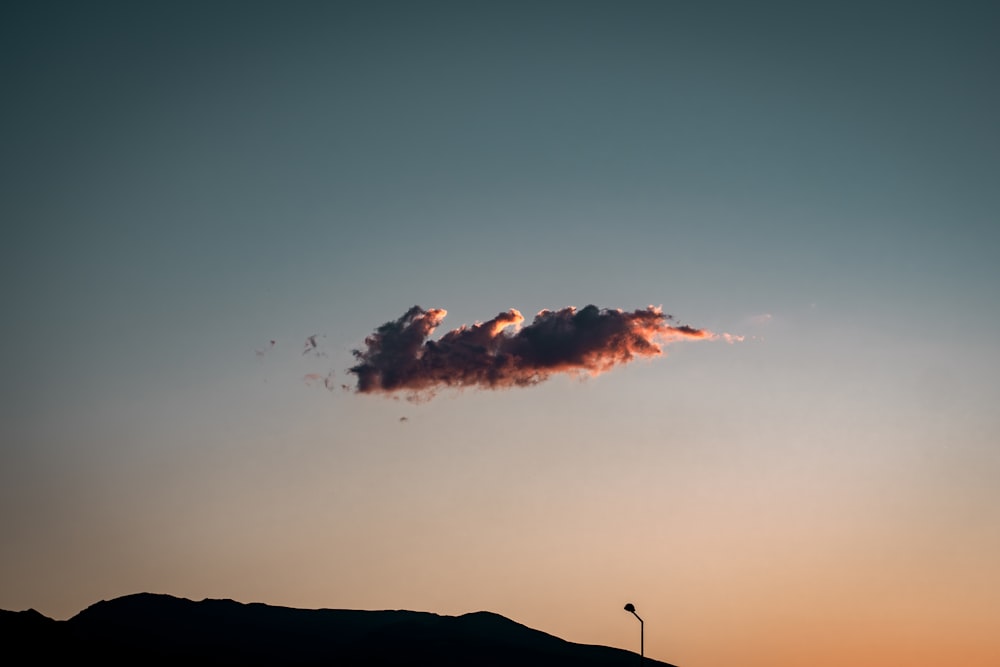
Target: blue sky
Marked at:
184, 182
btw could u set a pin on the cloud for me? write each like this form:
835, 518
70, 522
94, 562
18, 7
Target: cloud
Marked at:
501, 353
326, 380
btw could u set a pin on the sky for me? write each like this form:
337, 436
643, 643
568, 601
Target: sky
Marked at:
184, 182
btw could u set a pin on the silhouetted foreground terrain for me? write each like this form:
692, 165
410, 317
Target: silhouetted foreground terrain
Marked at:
159, 629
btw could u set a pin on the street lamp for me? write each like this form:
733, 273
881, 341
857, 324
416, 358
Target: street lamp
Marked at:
631, 609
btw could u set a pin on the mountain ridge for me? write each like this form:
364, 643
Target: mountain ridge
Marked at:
160, 629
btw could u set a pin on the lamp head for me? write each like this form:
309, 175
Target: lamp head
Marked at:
630, 607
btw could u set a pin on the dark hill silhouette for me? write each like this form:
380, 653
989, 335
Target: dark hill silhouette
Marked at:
154, 629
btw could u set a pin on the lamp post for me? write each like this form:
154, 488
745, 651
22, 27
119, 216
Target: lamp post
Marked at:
631, 609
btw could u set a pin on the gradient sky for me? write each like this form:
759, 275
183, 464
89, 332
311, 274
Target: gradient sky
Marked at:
184, 182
